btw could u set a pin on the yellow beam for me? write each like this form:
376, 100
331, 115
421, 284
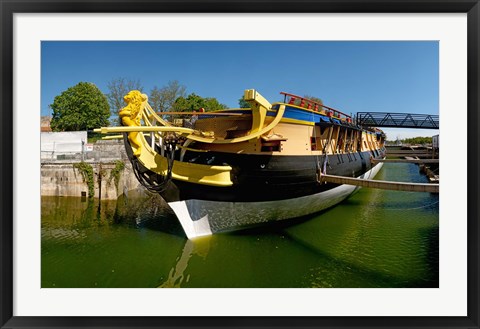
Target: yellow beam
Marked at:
192, 134
260, 106
127, 129
113, 137
183, 171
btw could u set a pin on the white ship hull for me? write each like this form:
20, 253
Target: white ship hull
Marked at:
203, 218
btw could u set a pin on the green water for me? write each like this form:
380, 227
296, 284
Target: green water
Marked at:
375, 238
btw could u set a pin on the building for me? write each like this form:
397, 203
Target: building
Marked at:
45, 123
62, 145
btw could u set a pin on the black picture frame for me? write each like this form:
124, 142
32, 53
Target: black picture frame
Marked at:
10, 7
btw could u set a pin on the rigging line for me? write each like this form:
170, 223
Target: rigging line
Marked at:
317, 164
324, 151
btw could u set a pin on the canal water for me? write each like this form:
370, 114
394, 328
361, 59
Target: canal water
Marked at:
375, 238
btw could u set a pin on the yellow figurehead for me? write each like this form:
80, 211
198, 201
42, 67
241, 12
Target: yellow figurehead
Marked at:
131, 115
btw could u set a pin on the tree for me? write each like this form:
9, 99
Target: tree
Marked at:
418, 140
243, 103
81, 107
162, 99
118, 88
212, 104
315, 99
194, 102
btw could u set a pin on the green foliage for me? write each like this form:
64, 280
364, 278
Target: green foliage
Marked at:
86, 170
194, 102
417, 140
81, 107
115, 173
212, 104
93, 137
243, 103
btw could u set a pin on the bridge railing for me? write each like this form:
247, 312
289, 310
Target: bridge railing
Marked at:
397, 120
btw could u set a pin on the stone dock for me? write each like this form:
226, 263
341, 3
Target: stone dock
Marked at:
63, 179
112, 173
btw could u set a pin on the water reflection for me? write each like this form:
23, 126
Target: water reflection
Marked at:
177, 274
373, 239
145, 209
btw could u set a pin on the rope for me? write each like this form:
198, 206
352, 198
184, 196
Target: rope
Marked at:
325, 156
149, 183
317, 163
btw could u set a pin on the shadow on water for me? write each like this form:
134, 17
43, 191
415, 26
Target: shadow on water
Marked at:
368, 275
430, 236
274, 227
140, 208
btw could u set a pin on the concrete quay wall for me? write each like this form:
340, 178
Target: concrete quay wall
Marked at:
63, 179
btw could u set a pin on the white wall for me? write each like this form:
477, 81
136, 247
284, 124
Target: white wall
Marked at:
55, 143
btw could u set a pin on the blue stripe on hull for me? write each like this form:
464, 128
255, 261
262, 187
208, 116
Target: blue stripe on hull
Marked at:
304, 115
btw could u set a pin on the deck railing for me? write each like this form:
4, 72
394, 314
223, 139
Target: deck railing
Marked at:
315, 106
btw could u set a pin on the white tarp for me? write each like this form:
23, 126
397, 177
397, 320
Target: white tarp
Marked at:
68, 142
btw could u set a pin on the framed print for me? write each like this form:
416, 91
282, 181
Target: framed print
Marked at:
219, 96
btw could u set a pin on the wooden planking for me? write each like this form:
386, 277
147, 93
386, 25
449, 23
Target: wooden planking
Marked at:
385, 185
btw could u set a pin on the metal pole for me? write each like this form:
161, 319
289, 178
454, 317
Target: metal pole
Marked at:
83, 150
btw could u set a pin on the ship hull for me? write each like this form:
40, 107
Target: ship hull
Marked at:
200, 217
273, 177
266, 189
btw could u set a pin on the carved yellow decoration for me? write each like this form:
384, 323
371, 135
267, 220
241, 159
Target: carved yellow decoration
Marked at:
131, 115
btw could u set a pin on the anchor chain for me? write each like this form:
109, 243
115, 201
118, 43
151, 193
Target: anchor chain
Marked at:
156, 183
169, 145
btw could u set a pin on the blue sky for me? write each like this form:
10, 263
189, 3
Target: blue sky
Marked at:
397, 76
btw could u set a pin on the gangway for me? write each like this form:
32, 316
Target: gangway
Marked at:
385, 185
397, 120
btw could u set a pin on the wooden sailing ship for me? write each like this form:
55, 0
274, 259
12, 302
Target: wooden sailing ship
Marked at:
236, 168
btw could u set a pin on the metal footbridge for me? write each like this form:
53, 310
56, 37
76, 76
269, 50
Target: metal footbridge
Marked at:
397, 120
